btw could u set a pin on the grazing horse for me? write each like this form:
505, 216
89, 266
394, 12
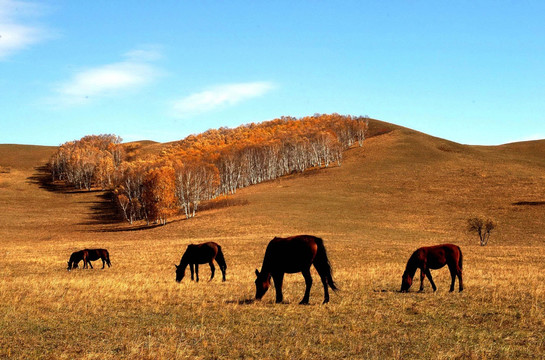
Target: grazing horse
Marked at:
76, 257
201, 254
95, 254
433, 257
292, 255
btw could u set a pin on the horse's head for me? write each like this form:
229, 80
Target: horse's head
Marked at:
262, 284
69, 266
406, 282
180, 272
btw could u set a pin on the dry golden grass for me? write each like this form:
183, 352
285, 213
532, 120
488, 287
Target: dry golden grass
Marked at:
401, 190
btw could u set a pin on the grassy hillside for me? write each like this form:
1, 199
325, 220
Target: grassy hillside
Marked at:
401, 190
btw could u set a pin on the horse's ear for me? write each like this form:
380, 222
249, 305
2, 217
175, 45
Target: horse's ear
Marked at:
256, 272
176, 266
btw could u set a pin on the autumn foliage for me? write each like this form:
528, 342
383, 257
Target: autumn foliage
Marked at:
205, 166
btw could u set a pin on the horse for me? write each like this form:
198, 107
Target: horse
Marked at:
76, 257
95, 254
196, 254
433, 257
292, 255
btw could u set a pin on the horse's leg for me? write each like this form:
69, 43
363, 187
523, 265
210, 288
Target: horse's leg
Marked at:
212, 269
89, 262
460, 281
428, 274
422, 276
197, 272
456, 271
452, 269
223, 269
278, 279
308, 283
326, 288
192, 271
103, 262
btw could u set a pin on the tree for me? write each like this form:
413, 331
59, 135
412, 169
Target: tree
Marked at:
195, 182
481, 227
159, 194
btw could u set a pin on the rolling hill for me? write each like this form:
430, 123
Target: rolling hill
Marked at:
400, 190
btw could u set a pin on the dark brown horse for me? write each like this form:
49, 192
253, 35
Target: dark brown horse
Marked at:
204, 253
292, 255
76, 257
433, 257
95, 254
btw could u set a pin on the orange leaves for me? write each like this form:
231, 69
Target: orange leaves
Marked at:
159, 193
204, 166
87, 162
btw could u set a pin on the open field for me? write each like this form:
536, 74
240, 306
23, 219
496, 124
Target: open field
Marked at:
401, 190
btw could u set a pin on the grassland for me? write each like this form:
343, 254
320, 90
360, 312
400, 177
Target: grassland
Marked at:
401, 190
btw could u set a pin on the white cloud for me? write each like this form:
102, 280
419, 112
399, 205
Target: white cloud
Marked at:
218, 96
146, 53
15, 33
108, 80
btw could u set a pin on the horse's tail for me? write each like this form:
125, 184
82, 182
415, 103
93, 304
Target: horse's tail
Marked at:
322, 265
460, 260
220, 259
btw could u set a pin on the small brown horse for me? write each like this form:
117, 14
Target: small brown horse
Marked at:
292, 255
95, 254
201, 254
433, 257
76, 257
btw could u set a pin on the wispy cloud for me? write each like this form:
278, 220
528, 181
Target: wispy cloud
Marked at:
109, 80
16, 29
219, 96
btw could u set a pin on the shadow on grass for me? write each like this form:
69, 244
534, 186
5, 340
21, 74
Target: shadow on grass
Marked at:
128, 227
529, 203
103, 210
241, 301
42, 178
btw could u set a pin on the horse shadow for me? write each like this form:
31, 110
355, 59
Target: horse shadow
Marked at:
247, 301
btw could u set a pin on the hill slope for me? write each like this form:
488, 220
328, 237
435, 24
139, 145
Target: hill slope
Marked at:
401, 190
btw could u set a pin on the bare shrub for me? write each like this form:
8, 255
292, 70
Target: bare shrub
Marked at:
482, 227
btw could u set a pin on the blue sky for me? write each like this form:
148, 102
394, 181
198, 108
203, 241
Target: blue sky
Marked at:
468, 71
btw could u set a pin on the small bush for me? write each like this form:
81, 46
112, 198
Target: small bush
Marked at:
482, 227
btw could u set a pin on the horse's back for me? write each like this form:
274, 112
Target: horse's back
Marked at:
95, 254
292, 254
439, 255
201, 253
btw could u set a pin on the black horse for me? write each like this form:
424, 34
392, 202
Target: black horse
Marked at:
88, 255
292, 255
76, 257
95, 254
201, 254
